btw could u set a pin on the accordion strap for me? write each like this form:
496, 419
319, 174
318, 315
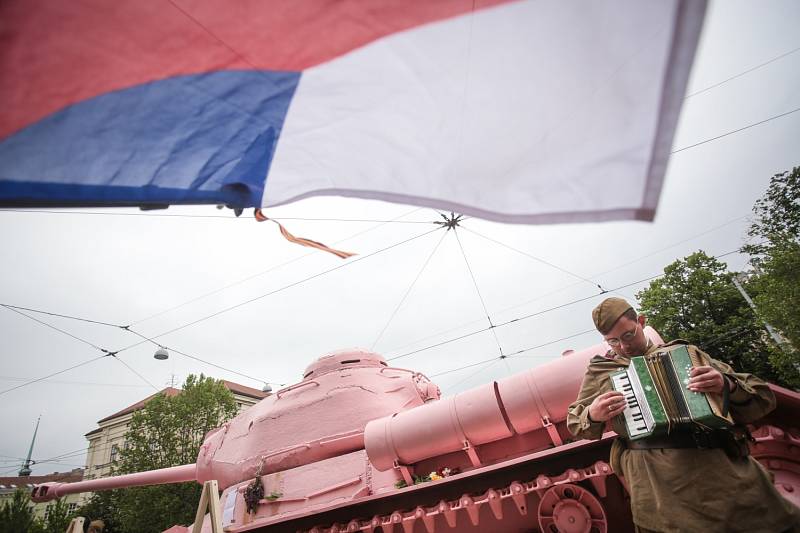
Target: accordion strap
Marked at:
678, 440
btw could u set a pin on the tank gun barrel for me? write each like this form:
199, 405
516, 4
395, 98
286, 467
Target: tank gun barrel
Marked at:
175, 474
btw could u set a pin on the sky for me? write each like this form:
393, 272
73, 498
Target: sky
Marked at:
249, 301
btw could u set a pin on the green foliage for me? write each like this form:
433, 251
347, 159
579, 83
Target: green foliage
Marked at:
17, 514
58, 517
777, 289
776, 293
168, 431
102, 506
775, 283
777, 215
695, 300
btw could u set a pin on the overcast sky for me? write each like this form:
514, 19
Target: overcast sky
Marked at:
125, 269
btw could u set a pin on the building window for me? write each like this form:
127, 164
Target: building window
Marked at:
47, 511
114, 450
72, 507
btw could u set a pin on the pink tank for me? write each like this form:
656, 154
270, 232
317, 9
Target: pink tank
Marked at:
342, 449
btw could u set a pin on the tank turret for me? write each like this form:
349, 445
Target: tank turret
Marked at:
385, 453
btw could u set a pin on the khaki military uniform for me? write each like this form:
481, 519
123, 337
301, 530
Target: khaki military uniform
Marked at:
688, 489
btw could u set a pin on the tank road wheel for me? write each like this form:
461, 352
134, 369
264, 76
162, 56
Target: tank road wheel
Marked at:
571, 509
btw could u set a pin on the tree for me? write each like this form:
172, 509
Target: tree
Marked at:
17, 514
58, 517
695, 300
168, 431
776, 261
102, 506
777, 215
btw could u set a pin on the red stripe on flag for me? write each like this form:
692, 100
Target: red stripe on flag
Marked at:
58, 53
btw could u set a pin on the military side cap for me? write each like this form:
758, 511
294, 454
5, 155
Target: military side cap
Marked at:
608, 312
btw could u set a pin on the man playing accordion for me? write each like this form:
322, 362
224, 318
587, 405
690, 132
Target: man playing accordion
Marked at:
677, 481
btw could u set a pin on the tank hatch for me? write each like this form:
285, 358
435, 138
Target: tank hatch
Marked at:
341, 359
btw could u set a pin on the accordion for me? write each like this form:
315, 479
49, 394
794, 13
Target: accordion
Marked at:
659, 402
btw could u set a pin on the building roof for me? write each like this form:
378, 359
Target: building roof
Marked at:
24, 481
235, 388
169, 391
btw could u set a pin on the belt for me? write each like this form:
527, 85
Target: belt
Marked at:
677, 440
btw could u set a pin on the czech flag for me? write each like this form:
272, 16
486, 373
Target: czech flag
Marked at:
519, 111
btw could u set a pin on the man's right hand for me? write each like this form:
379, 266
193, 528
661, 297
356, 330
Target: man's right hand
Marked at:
607, 406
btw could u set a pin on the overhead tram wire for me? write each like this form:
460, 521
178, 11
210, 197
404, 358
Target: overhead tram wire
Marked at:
519, 319
480, 296
151, 339
515, 354
735, 131
106, 353
128, 329
275, 291
65, 382
209, 363
49, 313
270, 269
538, 259
776, 58
31, 382
407, 292
68, 334
471, 375
129, 367
613, 269
36, 380
537, 313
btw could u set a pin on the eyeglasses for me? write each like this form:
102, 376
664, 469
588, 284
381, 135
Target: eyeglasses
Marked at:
625, 337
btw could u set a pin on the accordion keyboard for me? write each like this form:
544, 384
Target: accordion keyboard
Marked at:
638, 419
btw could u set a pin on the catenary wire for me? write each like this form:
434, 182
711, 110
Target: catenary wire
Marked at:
538, 259
270, 269
275, 291
537, 313
613, 269
84, 341
408, 291
49, 313
776, 58
151, 339
736, 131
471, 375
519, 319
69, 382
31, 382
480, 296
129, 367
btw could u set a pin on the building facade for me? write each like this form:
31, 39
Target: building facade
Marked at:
108, 439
